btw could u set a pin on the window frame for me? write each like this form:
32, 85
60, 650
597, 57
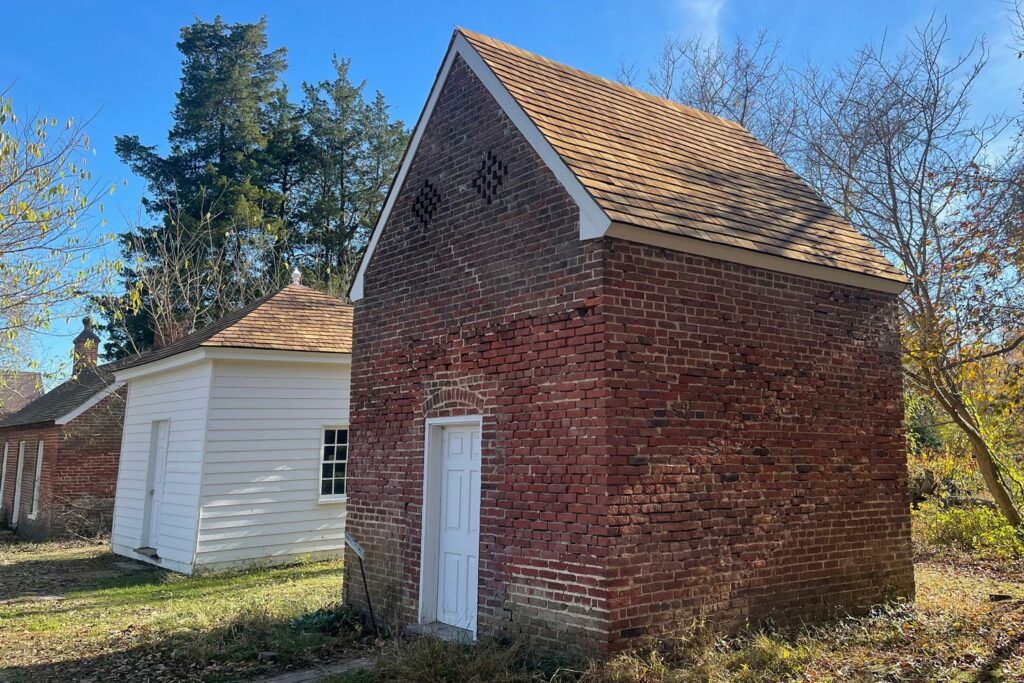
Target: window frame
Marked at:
331, 497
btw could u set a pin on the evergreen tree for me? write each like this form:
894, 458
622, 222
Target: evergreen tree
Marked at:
351, 150
253, 184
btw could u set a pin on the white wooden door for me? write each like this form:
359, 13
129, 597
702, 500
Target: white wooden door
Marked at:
459, 537
16, 512
155, 478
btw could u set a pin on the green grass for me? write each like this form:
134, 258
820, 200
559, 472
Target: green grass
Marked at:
112, 623
116, 625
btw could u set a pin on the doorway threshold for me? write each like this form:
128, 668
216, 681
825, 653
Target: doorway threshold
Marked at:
441, 631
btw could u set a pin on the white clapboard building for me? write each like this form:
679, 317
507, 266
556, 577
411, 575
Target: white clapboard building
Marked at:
235, 440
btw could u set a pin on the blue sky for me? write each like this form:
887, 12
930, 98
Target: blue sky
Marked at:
117, 60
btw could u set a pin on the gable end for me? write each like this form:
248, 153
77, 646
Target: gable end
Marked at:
594, 222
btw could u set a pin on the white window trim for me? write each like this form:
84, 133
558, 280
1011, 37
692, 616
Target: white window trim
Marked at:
3, 474
334, 497
36, 484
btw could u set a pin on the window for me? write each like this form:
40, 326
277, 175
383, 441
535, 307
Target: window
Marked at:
334, 462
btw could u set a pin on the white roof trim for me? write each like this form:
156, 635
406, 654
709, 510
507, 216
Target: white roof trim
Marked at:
205, 353
168, 363
276, 355
756, 259
99, 396
594, 222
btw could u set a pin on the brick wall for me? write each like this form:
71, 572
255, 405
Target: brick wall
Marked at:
79, 475
487, 310
28, 525
759, 465
662, 434
85, 475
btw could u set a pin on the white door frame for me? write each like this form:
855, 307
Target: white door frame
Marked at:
37, 484
156, 469
16, 510
3, 474
431, 512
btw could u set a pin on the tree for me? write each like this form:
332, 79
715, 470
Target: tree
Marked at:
175, 293
745, 82
249, 170
892, 145
49, 224
213, 182
352, 150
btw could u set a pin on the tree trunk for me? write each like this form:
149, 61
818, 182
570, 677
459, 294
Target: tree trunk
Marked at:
987, 465
956, 407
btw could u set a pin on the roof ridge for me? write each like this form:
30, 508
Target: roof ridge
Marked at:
693, 111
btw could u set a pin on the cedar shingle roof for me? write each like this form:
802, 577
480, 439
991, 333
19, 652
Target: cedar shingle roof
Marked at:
18, 388
63, 398
656, 164
295, 318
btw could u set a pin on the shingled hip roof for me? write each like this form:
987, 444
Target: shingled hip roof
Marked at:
655, 165
295, 318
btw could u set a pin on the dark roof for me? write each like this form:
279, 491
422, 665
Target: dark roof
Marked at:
17, 389
656, 164
295, 318
63, 398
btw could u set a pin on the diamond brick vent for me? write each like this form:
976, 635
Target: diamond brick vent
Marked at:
490, 176
427, 201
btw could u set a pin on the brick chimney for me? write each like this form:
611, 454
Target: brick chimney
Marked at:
86, 348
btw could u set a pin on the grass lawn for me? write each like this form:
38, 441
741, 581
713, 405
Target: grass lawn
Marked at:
74, 612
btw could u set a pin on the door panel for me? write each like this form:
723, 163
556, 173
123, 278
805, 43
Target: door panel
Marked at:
459, 536
155, 490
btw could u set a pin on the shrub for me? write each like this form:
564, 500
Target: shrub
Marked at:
978, 530
333, 620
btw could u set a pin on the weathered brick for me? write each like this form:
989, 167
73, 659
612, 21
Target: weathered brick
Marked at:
663, 434
79, 475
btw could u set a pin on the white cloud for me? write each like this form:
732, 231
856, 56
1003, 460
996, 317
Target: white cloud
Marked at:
700, 17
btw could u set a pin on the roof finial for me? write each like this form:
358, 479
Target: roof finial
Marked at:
296, 276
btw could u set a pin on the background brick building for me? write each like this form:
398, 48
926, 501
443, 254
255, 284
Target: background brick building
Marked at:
615, 365
58, 468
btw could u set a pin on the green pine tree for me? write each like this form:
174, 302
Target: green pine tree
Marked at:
253, 184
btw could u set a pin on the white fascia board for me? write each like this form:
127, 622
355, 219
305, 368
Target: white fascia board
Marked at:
594, 222
204, 353
162, 365
757, 259
93, 400
275, 356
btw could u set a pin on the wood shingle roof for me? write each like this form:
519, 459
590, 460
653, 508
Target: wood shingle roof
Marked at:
659, 165
63, 398
295, 318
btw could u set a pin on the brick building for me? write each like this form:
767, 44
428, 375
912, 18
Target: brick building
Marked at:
616, 365
58, 468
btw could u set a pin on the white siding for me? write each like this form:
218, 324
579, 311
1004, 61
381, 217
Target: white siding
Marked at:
261, 482
180, 395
